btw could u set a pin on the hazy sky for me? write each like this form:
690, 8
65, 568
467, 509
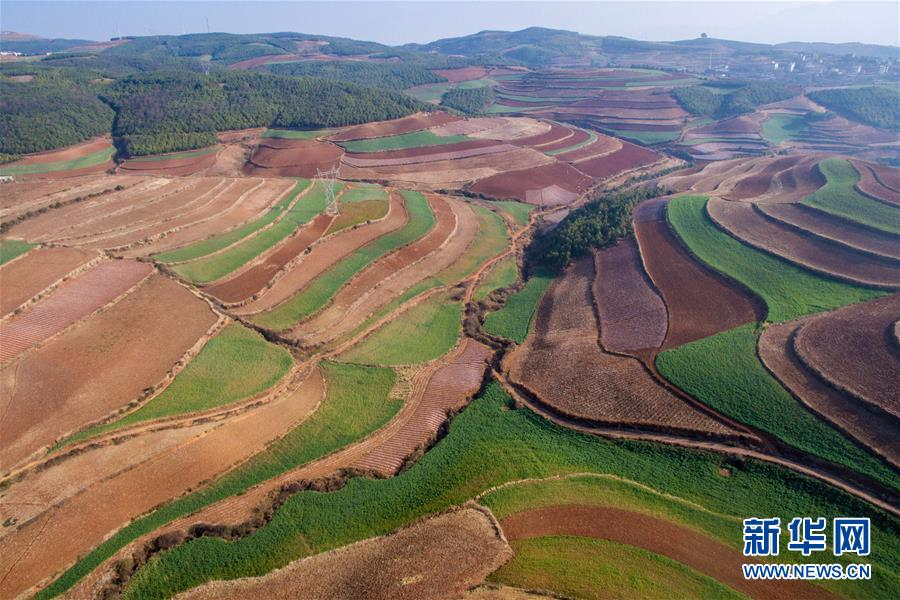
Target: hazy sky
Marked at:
423, 21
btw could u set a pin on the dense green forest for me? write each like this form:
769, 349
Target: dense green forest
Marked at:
395, 76
48, 112
730, 99
470, 101
597, 224
876, 105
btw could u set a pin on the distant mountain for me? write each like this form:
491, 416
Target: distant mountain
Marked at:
15, 36
856, 49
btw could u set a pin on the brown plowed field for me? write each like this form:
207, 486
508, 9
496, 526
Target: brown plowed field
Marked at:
873, 429
853, 348
683, 545
437, 558
63, 154
22, 279
629, 157
326, 254
603, 145
75, 300
879, 181
557, 133
408, 124
827, 226
250, 281
493, 148
447, 390
86, 519
777, 180
507, 129
118, 353
392, 274
632, 315
562, 364
420, 151
578, 136
292, 158
760, 182
699, 302
462, 74
745, 223
22, 196
176, 166
517, 184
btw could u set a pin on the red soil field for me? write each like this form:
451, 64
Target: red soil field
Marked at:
746, 224
853, 348
629, 157
171, 167
20, 197
578, 136
63, 154
326, 254
632, 315
760, 182
463, 74
440, 557
604, 144
292, 158
822, 224
563, 366
476, 148
516, 184
29, 275
250, 281
874, 429
557, 133
408, 124
700, 303
262, 60
73, 301
448, 389
423, 150
879, 182
742, 124
83, 521
120, 352
682, 544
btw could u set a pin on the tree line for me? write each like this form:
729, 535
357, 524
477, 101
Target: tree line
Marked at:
731, 99
875, 105
471, 101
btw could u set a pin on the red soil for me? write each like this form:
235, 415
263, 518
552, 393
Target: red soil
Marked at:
463, 74
562, 365
746, 224
20, 197
604, 144
879, 182
252, 280
853, 348
557, 133
293, 158
175, 166
629, 157
25, 277
120, 352
578, 136
73, 301
660, 536
447, 390
262, 60
700, 303
408, 124
874, 429
422, 150
759, 183
742, 124
439, 154
63, 154
632, 315
517, 184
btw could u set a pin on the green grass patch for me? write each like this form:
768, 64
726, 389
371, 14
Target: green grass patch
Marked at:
96, 158
782, 127
419, 334
175, 155
724, 372
519, 211
236, 364
416, 139
581, 567
358, 403
296, 134
223, 240
364, 192
355, 213
788, 291
322, 288
503, 274
646, 137
840, 198
219, 265
513, 320
10, 249
491, 443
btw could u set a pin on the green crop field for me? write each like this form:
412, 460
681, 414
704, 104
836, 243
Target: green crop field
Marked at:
646, 137
419, 334
592, 137
175, 155
358, 403
513, 320
219, 265
364, 192
489, 444
295, 134
788, 291
840, 198
724, 372
223, 240
10, 249
322, 288
356, 213
416, 139
503, 274
96, 158
235, 365
580, 567
519, 211
780, 128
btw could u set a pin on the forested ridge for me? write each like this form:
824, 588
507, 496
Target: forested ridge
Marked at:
395, 76
470, 101
730, 99
874, 105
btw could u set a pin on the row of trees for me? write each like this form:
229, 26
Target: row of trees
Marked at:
395, 76
730, 99
875, 105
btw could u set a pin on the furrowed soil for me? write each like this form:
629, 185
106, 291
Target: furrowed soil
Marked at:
854, 349
22, 196
700, 303
684, 545
70, 153
408, 124
23, 279
526, 184
879, 182
440, 557
628, 157
564, 367
874, 429
275, 157
120, 352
